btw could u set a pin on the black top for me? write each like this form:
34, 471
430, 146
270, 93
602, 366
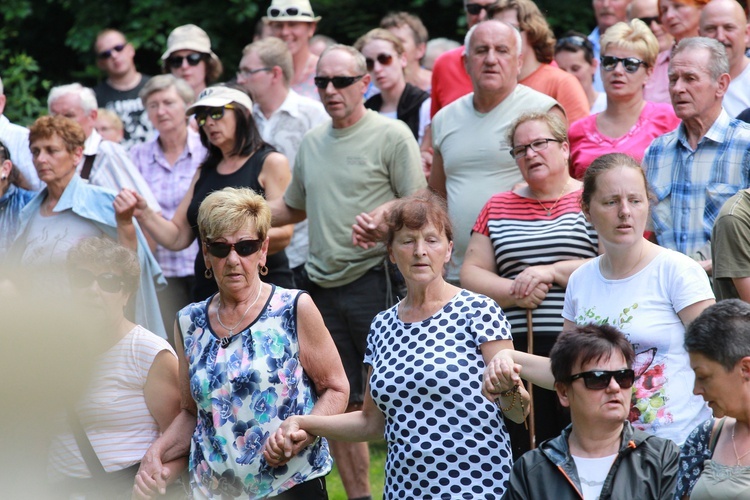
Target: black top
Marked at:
246, 176
408, 106
128, 106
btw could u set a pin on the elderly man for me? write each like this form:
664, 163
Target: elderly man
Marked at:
725, 21
697, 167
607, 13
472, 158
282, 116
360, 160
119, 91
104, 163
657, 86
16, 138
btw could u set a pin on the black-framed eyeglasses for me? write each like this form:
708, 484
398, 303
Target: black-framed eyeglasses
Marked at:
538, 145
339, 82
193, 59
106, 54
384, 60
247, 73
242, 247
214, 113
649, 20
631, 64
108, 282
274, 12
599, 379
475, 8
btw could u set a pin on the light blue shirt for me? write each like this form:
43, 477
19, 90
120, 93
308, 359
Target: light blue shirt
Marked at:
594, 38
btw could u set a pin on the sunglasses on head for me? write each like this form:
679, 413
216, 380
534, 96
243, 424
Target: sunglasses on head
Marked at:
631, 64
649, 20
175, 62
475, 8
214, 113
274, 12
576, 41
383, 59
599, 379
106, 54
243, 248
339, 82
108, 282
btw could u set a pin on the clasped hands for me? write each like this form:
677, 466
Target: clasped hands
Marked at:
531, 286
286, 442
500, 375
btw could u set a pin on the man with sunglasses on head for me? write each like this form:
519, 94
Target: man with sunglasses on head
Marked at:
657, 86
600, 454
696, 168
119, 91
359, 161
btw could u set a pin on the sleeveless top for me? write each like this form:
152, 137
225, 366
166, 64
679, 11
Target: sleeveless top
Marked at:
244, 387
209, 181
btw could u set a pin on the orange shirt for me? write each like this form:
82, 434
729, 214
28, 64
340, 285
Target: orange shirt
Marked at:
561, 86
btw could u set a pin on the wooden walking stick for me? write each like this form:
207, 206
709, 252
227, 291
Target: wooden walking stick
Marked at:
530, 350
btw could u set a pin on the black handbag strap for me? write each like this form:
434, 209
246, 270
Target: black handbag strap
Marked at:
84, 445
88, 162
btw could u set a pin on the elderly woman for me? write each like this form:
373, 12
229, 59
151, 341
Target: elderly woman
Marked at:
629, 123
574, 54
681, 18
168, 163
424, 392
189, 56
237, 157
251, 356
68, 210
524, 246
12, 199
715, 462
648, 292
600, 455
133, 394
386, 60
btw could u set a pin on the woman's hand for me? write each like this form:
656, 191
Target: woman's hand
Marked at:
528, 279
500, 375
151, 479
129, 204
286, 442
536, 297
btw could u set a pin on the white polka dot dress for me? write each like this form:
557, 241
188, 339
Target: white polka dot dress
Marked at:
445, 440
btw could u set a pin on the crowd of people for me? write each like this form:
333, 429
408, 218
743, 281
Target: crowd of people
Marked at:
502, 258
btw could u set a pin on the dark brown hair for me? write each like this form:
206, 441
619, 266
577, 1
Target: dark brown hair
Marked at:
586, 343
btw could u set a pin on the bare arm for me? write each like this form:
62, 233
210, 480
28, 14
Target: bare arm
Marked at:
743, 287
369, 227
688, 314
282, 214
437, 175
425, 151
518, 405
558, 272
126, 233
505, 368
274, 177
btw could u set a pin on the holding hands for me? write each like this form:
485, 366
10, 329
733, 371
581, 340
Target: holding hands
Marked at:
500, 375
129, 204
286, 442
152, 477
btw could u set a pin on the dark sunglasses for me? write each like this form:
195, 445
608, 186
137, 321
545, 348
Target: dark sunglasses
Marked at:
339, 82
576, 41
599, 379
194, 59
243, 248
383, 59
649, 20
475, 8
631, 64
108, 282
106, 54
288, 12
214, 113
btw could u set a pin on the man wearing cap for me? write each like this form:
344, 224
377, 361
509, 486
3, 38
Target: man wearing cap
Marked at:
361, 160
282, 116
189, 56
119, 91
294, 22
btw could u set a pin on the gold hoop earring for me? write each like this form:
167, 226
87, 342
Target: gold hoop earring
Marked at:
208, 273
263, 270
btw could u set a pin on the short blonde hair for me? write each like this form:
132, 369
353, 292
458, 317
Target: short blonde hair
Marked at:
379, 34
114, 121
635, 36
272, 52
230, 210
556, 125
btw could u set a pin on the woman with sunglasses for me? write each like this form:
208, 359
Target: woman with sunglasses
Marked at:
189, 56
386, 60
648, 292
133, 395
600, 455
574, 54
251, 356
12, 200
237, 157
629, 123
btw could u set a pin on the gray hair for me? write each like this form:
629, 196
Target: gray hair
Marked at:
718, 63
163, 82
721, 333
87, 96
360, 65
470, 34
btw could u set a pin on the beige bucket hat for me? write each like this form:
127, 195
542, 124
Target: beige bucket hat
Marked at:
189, 37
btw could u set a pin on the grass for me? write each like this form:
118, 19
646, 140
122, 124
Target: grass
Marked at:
377, 475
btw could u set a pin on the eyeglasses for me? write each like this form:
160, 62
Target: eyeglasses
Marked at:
339, 82
243, 248
649, 20
599, 379
274, 12
214, 113
538, 145
108, 282
475, 8
383, 59
247, 73
193, 59
631, 64
106, 54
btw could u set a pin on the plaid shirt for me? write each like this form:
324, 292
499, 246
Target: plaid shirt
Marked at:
691, 185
